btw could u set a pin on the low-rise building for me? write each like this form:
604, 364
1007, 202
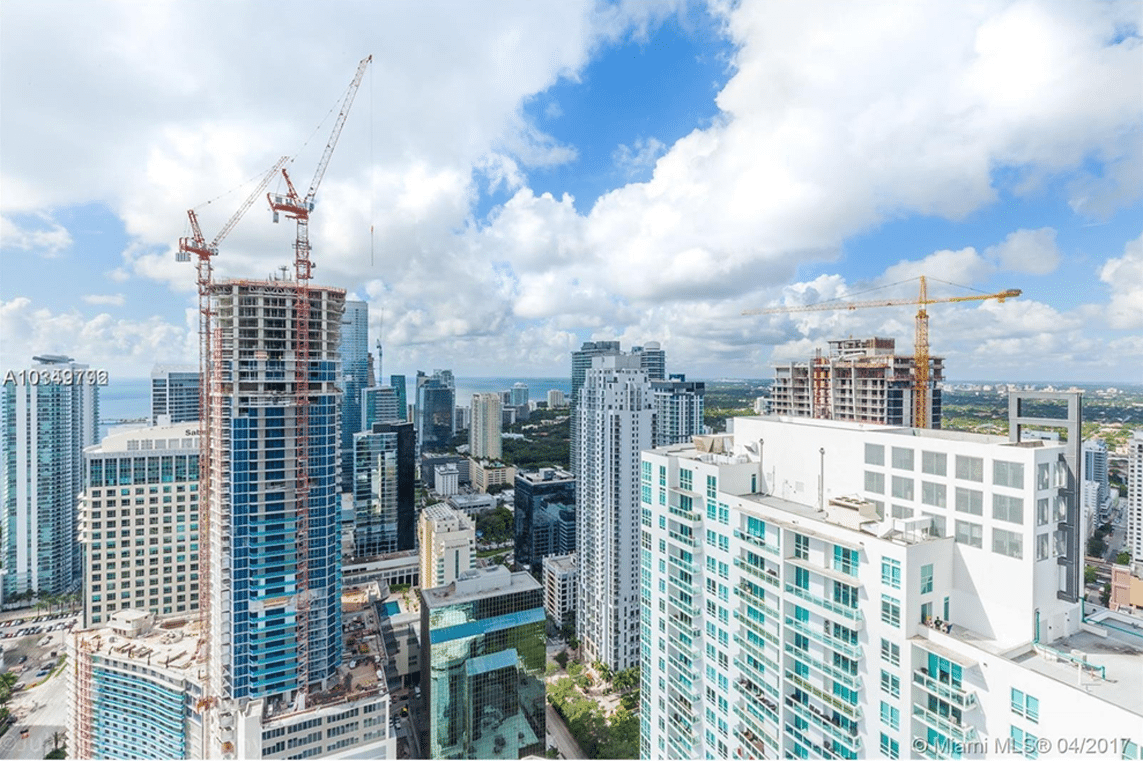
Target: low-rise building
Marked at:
561, 577
487, 474
448, 545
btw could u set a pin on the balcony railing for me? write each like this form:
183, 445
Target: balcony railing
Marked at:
851, 613
758, 541
945, 724
852, 711
963, 699
848, 738
849, 680
758, 572
845, 648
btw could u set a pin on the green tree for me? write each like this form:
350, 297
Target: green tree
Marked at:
562, 659
1096, 547
622, 737
1105, 595
1123, 558
1089, 574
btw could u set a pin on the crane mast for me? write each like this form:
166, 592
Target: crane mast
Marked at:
297, 208
921, 355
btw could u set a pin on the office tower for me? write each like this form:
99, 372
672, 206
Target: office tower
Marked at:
561, 583
519, 396
448, 545
829, 589
482, 666
256, 580
138, 523
581, 361
380, 404
544, 515
134, 690
1097, 487
861, 380
446, 479
1135, 501
678, 409
617, 421
555, 398
356, 374
174, 394
397, 382
384, 489
436, 400
51, 412
652, 359
484, 431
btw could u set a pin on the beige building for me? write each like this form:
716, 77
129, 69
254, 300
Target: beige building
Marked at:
484, 431
561, 575
487, 474
138, 523
448, 545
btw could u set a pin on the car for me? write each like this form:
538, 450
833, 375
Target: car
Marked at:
24, 659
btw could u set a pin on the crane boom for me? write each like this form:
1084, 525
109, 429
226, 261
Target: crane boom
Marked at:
196, 242
921, 340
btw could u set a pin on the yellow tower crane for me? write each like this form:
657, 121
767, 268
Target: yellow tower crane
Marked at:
921, 344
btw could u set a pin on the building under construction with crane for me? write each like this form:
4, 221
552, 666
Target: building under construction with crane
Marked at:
860, 379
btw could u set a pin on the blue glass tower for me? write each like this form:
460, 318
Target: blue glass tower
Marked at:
356, 374
255, 578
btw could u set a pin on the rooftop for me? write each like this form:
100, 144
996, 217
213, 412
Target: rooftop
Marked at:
479, 583
171, 645
175, 436
561, 563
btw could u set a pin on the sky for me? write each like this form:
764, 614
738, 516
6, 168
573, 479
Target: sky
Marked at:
515, 178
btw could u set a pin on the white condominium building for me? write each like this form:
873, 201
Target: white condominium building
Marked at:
616, 421
448, 545
821, 589
1135, 501
484, 431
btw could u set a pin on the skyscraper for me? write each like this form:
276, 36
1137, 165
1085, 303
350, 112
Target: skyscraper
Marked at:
519, 394
435, 416
142, 482
448, 544
482, 666
175, 393
544, 511
384, 489
356, 374
616, 421
581, 361
484, 432
829, 589
679, 406
258, 583
1135, 500
398, 384
51, 412
653, 359
379, 404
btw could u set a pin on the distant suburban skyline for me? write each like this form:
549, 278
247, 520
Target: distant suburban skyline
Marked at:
518, 177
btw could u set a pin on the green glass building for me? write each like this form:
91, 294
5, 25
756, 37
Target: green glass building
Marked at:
482, 674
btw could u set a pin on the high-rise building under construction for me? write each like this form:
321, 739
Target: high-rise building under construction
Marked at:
861, 380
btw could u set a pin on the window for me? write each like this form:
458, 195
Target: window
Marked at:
890, 610
890, 652
891, 572
890, 716
902, 487
926, 578
890, 684
902, 458
801, 546
969, 501
1043, 547
1024, 743
970, 468
970, 534
801, 578
1025, 705
1043, 512
875, 482
889, 747
937, 527
1007, 543
844, 594
902, 512
934, 463
874, 454
844, 560
686, 479
1009, 474
934, 494
1009, 509
1044, 475
711, 487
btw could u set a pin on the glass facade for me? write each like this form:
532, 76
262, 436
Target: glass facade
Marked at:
544, 515
436, 400
483, 659
356, 374
383, 489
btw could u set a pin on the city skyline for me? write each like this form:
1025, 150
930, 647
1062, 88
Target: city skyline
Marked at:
714, 159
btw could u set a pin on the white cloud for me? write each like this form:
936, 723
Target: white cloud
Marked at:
1124, 275
635, 160
110, 299
1031, 251
49, 239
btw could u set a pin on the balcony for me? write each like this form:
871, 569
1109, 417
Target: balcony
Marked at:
759, 628
947, 725
851, 681
769, 576
958, 696
809, 712
845, 648
758, 541
756, 651
853, 614
748, 596
833, 701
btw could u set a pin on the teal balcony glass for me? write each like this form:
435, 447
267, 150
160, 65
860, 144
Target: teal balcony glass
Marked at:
758, 541
769, 577
750, 596
833, 701
756, 650
852, 614
963, 699
946, 725
851, 681
841, 646
809, 712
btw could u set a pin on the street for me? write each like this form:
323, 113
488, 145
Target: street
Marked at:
42, 710
560, 736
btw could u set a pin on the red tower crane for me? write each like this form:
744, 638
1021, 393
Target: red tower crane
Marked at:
297, 208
